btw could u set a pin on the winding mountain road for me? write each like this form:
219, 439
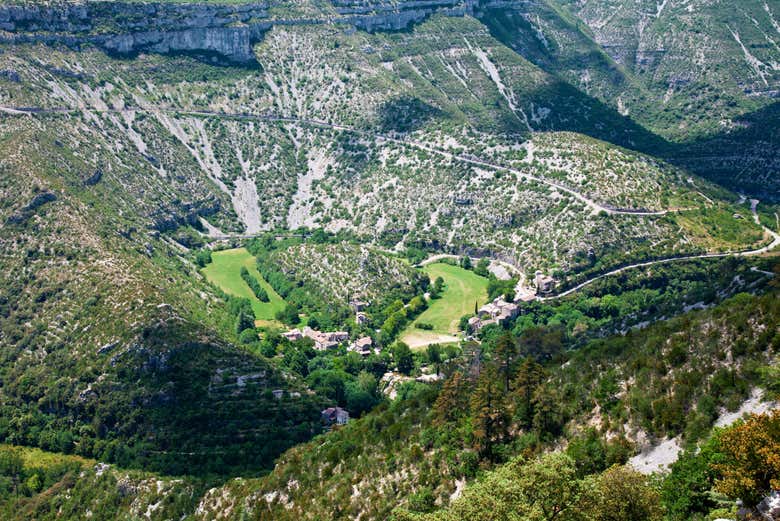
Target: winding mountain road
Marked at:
747, 253
595, 206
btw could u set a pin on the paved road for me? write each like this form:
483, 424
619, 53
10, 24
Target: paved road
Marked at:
775, 243
595, 206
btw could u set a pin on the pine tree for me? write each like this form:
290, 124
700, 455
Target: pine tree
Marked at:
505, 353
530, 376
451, 402
489, 410
547, 417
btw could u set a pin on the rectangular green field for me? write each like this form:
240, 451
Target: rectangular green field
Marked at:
225, 272
462, 289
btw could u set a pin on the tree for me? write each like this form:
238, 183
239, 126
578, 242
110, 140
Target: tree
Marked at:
244, 321
433, 351
546, 489
330, 384
417, 305
541, 342
552, 488
12, 466
623, 494
452, 400
547, 417
254, 285
530, 375
505, 353
248, 336
465, 262
685, 492
404, 359
489, 411
361, 394
438, 286
481, 268
202, 258
752, 458
289, 315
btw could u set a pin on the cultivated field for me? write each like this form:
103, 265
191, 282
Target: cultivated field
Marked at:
225, 272
462, 289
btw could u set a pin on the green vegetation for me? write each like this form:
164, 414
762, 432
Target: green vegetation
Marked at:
641, 296
424, 444
720, 229
255, 286
123, 340
462, 290
226, 272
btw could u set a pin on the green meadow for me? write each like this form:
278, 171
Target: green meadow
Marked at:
225, 272
462, 289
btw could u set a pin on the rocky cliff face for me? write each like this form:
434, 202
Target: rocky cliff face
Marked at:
226, 30
126, 28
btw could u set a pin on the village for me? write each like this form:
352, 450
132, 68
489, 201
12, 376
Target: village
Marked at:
499, 312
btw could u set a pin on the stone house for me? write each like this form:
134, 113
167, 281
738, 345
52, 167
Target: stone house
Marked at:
361, 346
544, 283
324, 341
497, 312
335, 416
293, 335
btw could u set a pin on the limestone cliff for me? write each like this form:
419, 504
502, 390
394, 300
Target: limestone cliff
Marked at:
227, 30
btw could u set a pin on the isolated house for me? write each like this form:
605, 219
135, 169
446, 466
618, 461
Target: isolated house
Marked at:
361, 318
335, 416
544, 283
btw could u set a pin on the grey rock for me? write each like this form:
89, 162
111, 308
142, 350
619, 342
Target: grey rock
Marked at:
227, 30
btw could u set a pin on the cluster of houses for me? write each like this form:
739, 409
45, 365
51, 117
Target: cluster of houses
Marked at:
497, 312
363, 346
322, 341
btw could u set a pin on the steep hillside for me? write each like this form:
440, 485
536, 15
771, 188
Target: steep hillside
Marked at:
112, 345
418, 453
338, 273
589, 139
710, 77
702, 75
351, 130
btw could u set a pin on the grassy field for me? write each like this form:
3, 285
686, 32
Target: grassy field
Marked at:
225, 272
37, 458
716, 229
462, 288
